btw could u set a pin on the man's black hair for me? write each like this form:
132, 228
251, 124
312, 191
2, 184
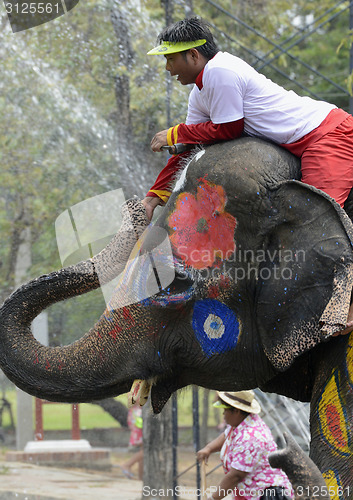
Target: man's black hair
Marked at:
188, 30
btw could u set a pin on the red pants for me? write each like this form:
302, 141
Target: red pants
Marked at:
327, 156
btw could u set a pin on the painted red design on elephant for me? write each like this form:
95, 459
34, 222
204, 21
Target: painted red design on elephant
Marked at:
36, 359
203, 232
214, 290
114, 333
334, 423
128, 316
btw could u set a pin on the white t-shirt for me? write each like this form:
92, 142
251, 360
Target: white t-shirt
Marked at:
232, 90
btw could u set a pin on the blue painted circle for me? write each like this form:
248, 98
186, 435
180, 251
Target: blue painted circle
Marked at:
216, 326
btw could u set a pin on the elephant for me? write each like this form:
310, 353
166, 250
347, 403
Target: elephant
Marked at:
240, 283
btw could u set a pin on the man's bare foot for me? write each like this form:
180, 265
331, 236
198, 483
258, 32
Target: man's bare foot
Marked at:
349, 325
346, 331
150, 203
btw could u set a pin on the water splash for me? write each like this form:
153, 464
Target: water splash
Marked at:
283, 414
69, 117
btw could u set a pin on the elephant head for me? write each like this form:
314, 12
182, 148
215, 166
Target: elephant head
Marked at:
239, 284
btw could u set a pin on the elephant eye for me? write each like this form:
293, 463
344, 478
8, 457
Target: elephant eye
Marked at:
180, 288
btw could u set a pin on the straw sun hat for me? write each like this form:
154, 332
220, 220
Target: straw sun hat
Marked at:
243, 400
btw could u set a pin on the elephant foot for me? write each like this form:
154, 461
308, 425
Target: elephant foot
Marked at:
139, 392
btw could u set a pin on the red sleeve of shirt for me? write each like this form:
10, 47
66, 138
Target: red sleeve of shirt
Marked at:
200, 133
207, 132
163, 185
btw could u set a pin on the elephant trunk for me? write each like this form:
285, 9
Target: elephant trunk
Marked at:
306, 479
58, 373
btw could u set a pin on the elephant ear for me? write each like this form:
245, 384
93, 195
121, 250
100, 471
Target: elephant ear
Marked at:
306, 276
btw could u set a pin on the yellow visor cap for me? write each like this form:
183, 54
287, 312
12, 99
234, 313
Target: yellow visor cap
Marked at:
173, 47
219, 404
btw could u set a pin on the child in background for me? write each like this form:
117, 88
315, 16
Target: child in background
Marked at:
135, 423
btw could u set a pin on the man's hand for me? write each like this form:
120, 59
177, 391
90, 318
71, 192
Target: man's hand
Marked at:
203, 454
159, 140
150, 203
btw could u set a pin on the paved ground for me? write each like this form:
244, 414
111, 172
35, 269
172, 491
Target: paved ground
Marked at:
31, 482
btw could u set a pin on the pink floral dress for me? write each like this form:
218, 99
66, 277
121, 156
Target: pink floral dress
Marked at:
246, 448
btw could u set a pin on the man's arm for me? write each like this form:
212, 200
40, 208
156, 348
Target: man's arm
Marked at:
211, 447
206, 132
162, 186
199, 133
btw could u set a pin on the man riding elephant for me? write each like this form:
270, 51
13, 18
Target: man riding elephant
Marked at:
231, 98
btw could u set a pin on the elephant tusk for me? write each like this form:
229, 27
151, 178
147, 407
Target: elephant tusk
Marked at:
139, 392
